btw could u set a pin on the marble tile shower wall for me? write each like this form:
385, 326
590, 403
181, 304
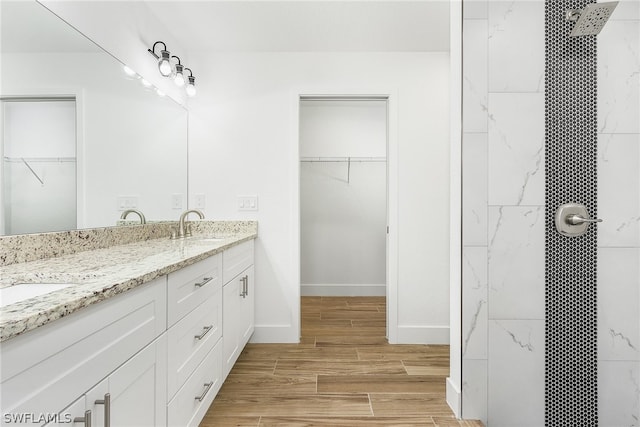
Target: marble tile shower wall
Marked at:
503, 213
619, 206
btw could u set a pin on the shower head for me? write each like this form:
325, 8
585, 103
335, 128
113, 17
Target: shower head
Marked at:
591, 19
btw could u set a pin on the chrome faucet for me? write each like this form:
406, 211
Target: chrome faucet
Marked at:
181, 233
143, 220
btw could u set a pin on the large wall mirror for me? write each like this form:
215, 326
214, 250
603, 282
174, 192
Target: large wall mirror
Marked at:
81, 139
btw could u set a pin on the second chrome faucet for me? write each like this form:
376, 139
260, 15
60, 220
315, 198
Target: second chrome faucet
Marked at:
181, 227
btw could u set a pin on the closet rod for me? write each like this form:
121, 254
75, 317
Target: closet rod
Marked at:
40, 159
343, 159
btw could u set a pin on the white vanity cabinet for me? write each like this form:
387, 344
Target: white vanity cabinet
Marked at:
238, 302
46, 370
155, 355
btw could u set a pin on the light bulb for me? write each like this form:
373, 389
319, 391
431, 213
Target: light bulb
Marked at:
191, 87
165, 68
164, 65
179, 77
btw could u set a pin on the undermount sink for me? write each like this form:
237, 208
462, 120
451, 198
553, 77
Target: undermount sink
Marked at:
23, 291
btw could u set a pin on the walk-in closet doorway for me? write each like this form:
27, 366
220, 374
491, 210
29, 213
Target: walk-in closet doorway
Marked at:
344, 196
38, 172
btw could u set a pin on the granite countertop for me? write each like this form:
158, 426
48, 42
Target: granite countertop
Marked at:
99, 274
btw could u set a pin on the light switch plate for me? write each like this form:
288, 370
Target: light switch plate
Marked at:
248, 203
126, 202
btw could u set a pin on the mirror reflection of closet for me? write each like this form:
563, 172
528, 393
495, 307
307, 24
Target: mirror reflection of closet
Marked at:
39, 165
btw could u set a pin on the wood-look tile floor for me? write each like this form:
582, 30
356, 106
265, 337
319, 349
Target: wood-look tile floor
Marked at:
343, 373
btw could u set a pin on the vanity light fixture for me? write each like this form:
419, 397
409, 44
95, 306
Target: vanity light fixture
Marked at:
191, 86
163, 60
178, 77
176, 72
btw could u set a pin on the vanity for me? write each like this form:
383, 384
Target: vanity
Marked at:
144, 334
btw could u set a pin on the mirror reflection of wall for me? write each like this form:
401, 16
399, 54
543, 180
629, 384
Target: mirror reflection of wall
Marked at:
39, 165
131, 143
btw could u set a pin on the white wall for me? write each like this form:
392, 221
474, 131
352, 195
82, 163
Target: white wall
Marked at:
355, 128
242, 141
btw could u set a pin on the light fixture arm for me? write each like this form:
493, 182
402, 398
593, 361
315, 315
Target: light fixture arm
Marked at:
190, 73
152, 51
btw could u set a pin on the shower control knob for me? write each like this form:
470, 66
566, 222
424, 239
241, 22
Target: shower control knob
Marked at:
576, 219
572, 219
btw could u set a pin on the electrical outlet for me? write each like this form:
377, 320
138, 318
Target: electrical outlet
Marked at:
247, 203
199, 201
176, 201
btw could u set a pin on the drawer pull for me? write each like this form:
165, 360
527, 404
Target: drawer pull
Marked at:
207, 329
204, 393
86, 419
107, 408
204, 282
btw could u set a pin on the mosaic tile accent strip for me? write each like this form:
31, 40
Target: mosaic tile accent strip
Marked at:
570, 270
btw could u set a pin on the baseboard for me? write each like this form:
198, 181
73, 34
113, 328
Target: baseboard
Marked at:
454, 398
339, 290
423, 335
275, 334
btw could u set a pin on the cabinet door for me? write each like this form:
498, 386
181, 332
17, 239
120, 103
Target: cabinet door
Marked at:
137, 390
247, 320
231, 318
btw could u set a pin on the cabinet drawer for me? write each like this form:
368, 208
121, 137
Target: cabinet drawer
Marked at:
45, 369
186, 350
237, 259
191, 402
187, 288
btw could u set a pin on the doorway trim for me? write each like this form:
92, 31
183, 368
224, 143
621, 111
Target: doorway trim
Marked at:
391, 97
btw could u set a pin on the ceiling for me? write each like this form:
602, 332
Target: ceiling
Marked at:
28, 27
302, 26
